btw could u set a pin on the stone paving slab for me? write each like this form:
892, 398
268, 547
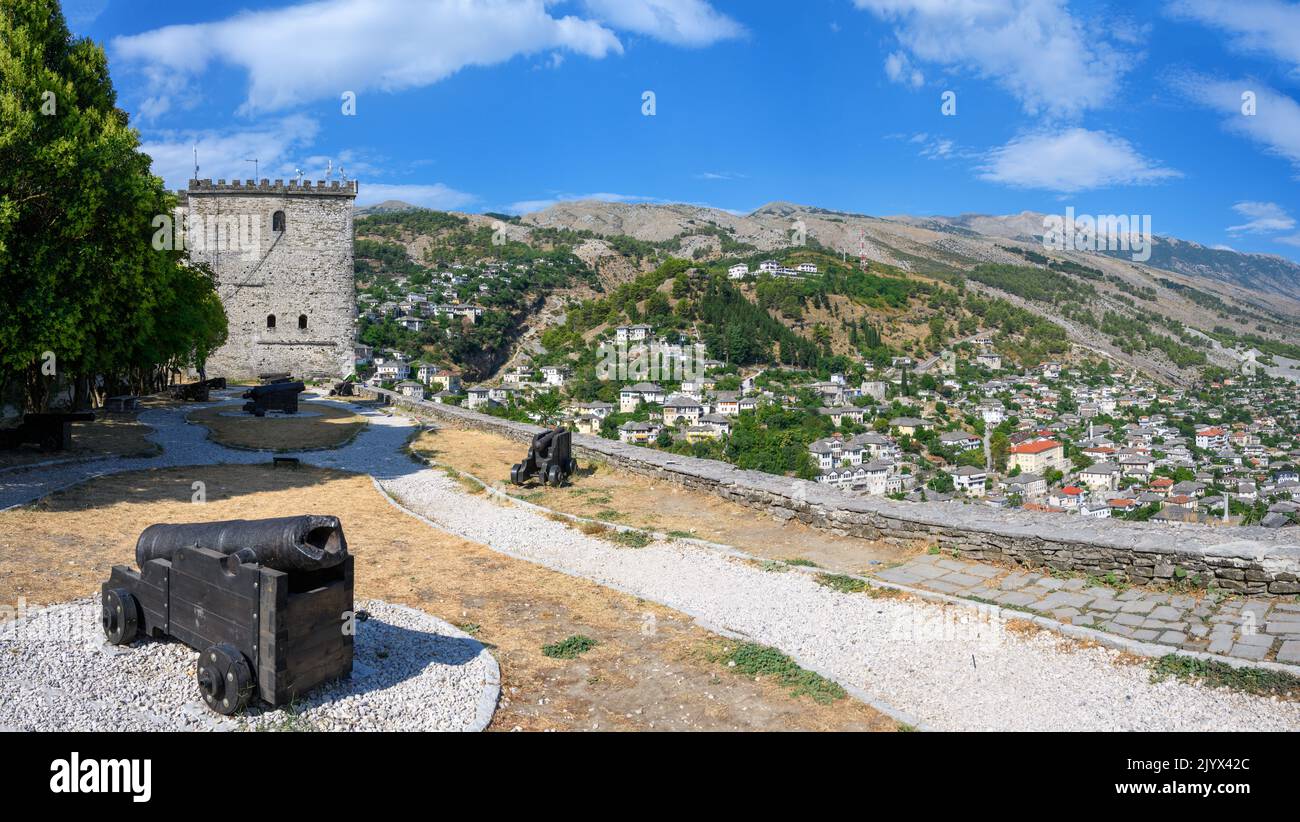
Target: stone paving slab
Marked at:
1249, 629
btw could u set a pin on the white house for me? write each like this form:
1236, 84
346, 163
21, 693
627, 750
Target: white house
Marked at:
681, 408
632, 333
970, 480
396, 370
633, 395
738, 271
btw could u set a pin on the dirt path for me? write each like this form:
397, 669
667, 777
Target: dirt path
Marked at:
652, 668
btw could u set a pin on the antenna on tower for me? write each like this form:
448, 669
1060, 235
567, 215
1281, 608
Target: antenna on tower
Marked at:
255, 167
862, 248
343, 175
329, 169
196, 161
300, 173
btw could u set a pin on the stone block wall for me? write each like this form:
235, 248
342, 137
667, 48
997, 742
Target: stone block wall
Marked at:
306, 270
1247, 560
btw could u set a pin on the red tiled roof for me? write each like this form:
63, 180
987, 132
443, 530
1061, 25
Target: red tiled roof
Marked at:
1036, 447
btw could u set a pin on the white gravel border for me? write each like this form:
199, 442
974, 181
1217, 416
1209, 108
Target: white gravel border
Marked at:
58, 673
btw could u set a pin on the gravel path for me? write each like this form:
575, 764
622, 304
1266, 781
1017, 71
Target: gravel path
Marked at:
917, 657
411, 672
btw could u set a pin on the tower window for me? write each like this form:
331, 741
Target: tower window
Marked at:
277, 221
270, 321
302, 320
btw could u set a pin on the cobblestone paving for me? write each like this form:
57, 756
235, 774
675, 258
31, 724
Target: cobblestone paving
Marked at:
1249, 629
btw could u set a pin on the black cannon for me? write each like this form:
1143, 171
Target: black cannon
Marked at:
344, 388
267, 603
191, 392
274, 378
550, 457
276, 396
51, 431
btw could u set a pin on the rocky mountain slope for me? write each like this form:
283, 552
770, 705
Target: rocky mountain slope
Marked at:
1143, 315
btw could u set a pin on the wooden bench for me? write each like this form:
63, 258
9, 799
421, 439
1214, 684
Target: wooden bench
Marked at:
52, 431
122, 404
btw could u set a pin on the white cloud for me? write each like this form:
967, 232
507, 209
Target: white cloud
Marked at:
899, 70
322, 49
1268, 27
436, 196
1050, 61
1263, 218
277, 145
719, 175
1072, 160
1293, 239
1275, 124
681, 22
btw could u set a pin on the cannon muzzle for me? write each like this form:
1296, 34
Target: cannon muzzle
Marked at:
303, 543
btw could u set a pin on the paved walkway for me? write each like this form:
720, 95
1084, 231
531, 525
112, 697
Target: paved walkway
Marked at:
1249, 629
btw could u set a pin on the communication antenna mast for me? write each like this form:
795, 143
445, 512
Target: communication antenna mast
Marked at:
255, 167
862, 248
343, 175
329, 169
196, 161
299, 172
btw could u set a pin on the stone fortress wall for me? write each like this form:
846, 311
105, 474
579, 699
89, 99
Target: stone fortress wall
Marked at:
1247, 560
299, 271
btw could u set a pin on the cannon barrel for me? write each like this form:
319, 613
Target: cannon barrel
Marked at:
274, 388
303, 543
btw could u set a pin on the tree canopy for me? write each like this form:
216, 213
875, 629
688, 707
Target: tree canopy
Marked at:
79, 276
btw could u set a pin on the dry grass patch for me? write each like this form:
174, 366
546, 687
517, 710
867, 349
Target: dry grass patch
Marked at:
645, 671
110, 435
334, 426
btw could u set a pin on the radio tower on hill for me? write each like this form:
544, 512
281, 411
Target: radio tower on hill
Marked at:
862, 248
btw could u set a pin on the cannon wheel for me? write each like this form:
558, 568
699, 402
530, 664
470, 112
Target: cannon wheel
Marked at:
514, 474
120, 616
572, 467
225, 679
554, 475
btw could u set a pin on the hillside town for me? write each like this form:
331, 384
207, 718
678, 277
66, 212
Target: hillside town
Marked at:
1078, 439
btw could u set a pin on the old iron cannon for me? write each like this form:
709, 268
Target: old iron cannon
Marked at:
276, 396
550, 457
344, 388
267, 603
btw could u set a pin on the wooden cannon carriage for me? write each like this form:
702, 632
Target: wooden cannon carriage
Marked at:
267, 603
550, 457
198, 391
276, 396
344, 388
52, 431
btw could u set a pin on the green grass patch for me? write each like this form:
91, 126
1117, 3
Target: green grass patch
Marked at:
1220, 675
756, 660
628, 539
802, 563
774, 567
681, 535
470, 484
571, 648
843, 583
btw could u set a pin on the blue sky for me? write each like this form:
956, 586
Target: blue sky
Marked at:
509, 105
